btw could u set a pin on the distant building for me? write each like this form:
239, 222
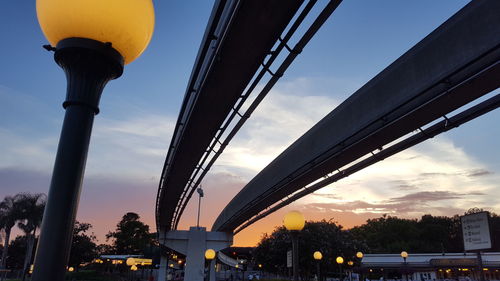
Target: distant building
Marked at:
425, 267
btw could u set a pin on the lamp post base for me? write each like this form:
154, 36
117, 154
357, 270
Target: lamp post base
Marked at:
295, 254
88, 65
318, 271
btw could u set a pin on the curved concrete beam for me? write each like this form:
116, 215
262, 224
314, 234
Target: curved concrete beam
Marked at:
217, 81
452, 66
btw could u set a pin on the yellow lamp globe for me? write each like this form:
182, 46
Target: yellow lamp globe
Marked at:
340, 260
317, 255
404, 254
359, 255
209, 254
294, 221
127, 24
130, 261
71, 269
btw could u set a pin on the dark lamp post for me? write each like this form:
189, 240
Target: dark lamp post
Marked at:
404, 255
318, 256
92, 41
340, 261
209, 256
294, 222
360, 255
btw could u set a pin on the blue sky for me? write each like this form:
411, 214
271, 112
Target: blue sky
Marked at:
445, 175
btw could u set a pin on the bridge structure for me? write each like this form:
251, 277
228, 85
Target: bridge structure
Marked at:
449, 69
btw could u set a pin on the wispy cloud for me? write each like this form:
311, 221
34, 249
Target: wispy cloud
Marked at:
134, 147
440, 181
426, 196
26, 150
479, 173
418, 202
279, 120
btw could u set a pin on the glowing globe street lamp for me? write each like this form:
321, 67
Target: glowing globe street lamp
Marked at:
339, 260
294, 222
404, 255
130, 261
209, 254
92, 40
318, 256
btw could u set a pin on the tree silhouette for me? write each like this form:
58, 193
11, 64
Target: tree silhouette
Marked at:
325, 236
131, 235
83, 246
9, 214
31, 213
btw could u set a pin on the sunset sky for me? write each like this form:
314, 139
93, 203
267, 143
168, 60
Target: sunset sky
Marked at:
443, 176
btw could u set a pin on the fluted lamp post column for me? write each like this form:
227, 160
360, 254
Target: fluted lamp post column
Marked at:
318, 256
294, 222
92, 41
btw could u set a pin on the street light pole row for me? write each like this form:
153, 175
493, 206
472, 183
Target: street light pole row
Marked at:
294, 222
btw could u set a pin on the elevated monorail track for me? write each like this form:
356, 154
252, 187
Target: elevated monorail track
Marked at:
453, 66
241, 44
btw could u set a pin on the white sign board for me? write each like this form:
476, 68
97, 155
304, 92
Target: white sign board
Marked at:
476, 231
289, 258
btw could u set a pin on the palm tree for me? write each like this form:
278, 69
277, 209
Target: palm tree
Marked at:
9, 215
31, 207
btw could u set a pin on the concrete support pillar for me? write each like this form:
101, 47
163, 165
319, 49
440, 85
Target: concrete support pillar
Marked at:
195, 256
162, 271
193, 244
